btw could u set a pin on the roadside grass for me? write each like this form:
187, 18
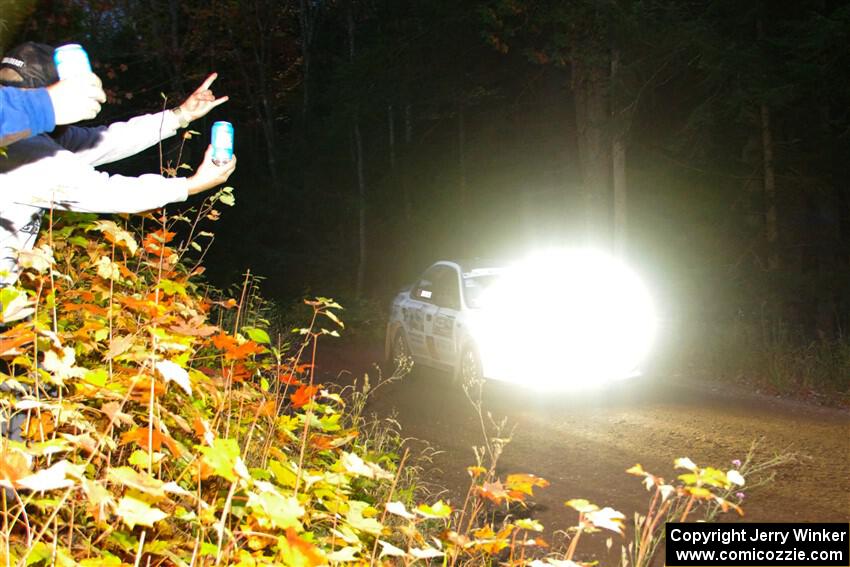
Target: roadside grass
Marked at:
772, 358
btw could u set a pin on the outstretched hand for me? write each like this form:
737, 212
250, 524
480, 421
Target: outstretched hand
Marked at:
201, 101
209, 175
76, 98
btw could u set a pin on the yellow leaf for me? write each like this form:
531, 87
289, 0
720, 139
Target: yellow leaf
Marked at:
135, 512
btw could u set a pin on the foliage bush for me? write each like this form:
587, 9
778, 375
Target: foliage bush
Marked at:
162, 424
771, 356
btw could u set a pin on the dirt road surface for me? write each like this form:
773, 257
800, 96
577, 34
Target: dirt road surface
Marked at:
582, 444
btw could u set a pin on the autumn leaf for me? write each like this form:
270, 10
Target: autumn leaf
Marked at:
172, 372
14, 338
143, 436
136, 480
581, 505
117, 235
289, 379
107, 269
195, 327
222, 457
277, 511
607, 519
525, 483
298, 552
493, 491
244, 350
52, 478
13, 466
16, 305
303, 395
223, 342
398, 509
135, 512
143, 306
437, 510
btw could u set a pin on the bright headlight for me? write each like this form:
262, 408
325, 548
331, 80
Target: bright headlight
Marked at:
576, 318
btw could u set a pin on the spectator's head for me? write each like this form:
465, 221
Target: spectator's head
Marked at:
29, 65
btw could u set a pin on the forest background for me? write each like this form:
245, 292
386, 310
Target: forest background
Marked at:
705, 140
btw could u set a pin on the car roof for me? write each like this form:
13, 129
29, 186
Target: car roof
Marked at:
468, 265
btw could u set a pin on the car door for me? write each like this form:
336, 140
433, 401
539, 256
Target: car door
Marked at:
446, 298
418, 315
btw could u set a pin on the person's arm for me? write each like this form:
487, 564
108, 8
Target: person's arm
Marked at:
63, 181
24, 113
28, 112
119, 140
123, 139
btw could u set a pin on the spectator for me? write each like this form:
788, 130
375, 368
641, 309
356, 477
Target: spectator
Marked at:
30, 111
56, 170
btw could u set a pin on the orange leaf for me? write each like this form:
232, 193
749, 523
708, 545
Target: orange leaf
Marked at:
14, 338
524, 483
144, 306
238, 373
303, 395
243, 351
223, 341
39, 426
12, 467
195, 327
289, 379
142, 435
308, 552
267, 409
493, 491
141, 390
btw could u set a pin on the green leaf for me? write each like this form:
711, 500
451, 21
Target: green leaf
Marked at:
39, 552
222, 457
172, 288
141, 481
97, 377
281, 512
438, 510
358, 521
136, 512
332, 316
226, 196
257, 335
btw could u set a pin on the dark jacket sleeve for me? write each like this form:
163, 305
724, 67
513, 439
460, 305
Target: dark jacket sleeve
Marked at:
24, 113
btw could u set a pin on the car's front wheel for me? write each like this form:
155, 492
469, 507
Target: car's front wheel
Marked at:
398, 349
469, 369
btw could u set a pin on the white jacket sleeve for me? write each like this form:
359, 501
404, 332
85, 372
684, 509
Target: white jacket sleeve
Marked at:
119, 140
63, 181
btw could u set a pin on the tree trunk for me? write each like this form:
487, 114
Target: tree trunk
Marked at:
590, 83
618, 150
405, 187
770, 215
461, 182
391, 136
358, 163
307, 18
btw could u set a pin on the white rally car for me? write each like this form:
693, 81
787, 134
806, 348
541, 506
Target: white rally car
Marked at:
574, 319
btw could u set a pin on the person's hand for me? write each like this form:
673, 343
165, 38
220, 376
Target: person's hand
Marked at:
76, 98
201, 101
210, 175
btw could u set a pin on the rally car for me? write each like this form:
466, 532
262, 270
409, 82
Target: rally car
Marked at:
573, 319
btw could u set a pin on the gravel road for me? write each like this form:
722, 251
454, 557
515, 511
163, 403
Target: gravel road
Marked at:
584, 443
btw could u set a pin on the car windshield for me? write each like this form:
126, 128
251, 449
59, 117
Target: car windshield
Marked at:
475, 283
